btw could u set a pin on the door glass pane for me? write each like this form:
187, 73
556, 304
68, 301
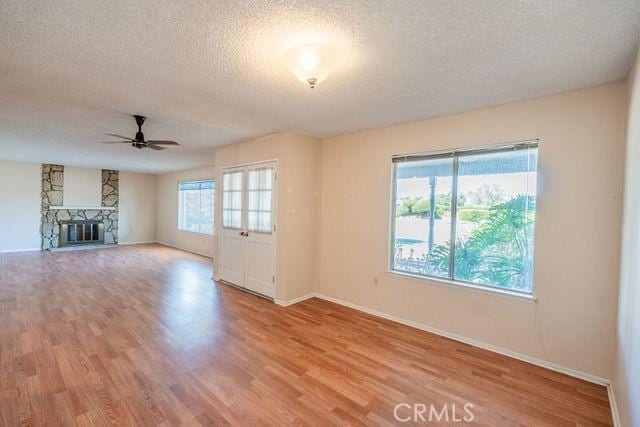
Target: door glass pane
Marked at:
232, 199
259, 187
422, 226
496, 214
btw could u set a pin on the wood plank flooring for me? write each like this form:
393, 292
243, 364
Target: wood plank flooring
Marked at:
140, 335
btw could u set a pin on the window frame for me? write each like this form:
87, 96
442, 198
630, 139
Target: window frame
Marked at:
178, 213
455, 154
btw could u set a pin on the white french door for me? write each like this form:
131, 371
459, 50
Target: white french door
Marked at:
247, 236
232, 251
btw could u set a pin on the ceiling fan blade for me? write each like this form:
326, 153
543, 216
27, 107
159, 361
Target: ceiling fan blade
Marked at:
114, 142
156, 147
119, 136
156, 142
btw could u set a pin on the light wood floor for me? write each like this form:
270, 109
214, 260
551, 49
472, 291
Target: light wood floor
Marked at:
141, 335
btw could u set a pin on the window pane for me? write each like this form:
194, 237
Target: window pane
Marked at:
423, 217
259, 221
180, 210
226, 216
193, 210
265, 222
232, 199
236, 200
207, 198
226, 199
252, 220
196, 206
259, 193
265, 201
254, 199
495, 219
236, 219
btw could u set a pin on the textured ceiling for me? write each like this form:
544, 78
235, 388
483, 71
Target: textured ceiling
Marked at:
208, 72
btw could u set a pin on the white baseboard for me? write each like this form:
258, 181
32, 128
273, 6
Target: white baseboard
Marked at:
185, 249
6, 251
534, 361
294, 301
614, 406
39, 249
136, 243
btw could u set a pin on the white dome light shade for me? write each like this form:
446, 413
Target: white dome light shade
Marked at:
311, 63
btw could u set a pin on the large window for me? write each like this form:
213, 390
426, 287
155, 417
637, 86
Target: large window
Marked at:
467, 216
195, 212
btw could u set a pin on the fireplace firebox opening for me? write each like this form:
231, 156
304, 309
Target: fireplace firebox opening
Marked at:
81, 232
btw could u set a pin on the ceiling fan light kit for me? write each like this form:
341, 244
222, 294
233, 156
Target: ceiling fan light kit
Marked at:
139, 142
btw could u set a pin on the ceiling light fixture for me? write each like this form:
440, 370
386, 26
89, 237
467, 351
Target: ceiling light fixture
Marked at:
311, 63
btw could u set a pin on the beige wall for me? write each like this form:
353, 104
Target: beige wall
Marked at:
137, 207
626, 375
20, 186
167, 213
577, 231
297, 157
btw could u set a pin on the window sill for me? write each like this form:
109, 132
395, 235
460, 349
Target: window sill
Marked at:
197, 232
466, 286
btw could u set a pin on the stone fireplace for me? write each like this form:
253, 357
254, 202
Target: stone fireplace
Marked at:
57, 220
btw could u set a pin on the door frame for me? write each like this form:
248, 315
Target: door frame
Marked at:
275, 204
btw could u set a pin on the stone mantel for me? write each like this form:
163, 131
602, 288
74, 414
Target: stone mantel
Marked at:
84, 208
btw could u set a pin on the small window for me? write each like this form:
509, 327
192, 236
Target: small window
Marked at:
196, 206
467, 216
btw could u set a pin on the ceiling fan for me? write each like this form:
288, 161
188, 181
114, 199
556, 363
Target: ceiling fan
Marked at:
139, 141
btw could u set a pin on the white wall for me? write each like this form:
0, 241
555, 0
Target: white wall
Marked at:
82, 187
167, 213
20, 187
137, 207
626, 380
577, 241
